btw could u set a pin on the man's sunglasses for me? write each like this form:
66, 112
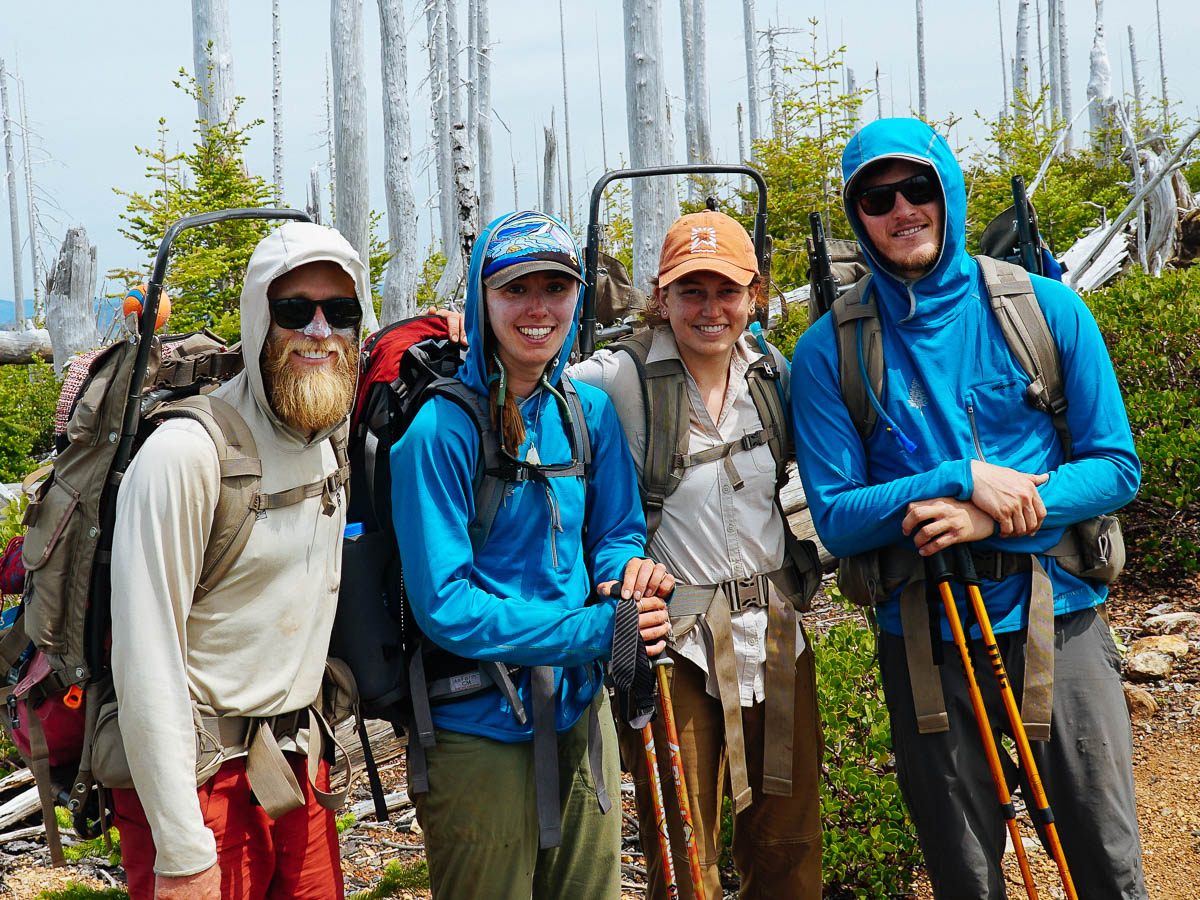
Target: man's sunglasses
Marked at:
880, 199
294, 313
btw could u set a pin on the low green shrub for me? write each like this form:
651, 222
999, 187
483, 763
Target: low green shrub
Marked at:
82, 892
869, 845
91, 847
787, 330
397, 877
28, 396
1152, 328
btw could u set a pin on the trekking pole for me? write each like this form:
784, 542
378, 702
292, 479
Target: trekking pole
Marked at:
1024, 751
936, 571
685, 808
660, 814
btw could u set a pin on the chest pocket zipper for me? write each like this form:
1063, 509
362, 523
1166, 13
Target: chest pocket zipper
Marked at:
975, 432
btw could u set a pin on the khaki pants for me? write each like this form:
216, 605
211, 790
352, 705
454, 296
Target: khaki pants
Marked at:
481, 826
776, 840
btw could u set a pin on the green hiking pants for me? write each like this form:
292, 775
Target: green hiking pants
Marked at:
481, 826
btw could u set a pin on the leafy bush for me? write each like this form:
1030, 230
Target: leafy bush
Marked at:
788, 329
90, 847
397, 877
1152, 328
869, 845
28, 395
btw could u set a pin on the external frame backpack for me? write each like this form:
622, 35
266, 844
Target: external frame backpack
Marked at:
59, 704
401, 674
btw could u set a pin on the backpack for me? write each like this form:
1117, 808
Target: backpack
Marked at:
400, 673
1094, 548
665, 402
58, 699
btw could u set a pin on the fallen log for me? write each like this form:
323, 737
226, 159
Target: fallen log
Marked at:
20, 807
20, 348
19, 778
395, 800
799, 518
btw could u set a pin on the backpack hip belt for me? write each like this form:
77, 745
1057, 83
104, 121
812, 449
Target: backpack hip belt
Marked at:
715, 602
271, 778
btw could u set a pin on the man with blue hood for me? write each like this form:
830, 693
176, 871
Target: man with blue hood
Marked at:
959, 455
569, 525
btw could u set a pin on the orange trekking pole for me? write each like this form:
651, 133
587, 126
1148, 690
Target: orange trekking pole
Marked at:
685, 807
660, 813
968, 577
936, 571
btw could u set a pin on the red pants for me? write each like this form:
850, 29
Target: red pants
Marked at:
295, 856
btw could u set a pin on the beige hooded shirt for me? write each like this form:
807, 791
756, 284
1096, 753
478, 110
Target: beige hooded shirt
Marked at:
256, 644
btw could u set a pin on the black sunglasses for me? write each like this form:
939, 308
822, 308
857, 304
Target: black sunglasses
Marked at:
294, 313
880, 199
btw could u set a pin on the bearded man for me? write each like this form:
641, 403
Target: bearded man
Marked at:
212, 681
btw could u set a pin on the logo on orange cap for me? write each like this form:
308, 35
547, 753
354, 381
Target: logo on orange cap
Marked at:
707, 242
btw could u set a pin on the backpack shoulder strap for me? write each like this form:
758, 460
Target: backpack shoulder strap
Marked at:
581, 440
488, 487
667, 424
766, 390
241, 477
860, 350
1028, 335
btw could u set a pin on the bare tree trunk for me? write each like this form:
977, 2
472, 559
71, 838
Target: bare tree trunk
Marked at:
852, 91
1021, 66
569, 211
329, 155
1162, 72
1003, 63
600, 87
922, 109
472, 73
549, 166
1138, 86
20, 348
655, 204
1099, 89
350, 133
466, 200
212, 59
1037, 8
688, 36
435, 21
35, 259
879, 96
751, 36
400, 286
70, 316
453, 80
313, 207
1064, 70
14, 218
700, 78
483, 137
1052, 53
773, 68
277, 99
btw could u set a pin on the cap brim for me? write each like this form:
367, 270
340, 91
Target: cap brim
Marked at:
715, 264
499, 279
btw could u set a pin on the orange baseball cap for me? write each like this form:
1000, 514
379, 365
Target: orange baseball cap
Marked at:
707, 242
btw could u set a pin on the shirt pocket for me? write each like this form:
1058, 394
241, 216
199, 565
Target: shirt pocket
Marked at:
1003, 425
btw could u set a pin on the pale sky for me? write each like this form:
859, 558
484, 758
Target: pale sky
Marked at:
98, 75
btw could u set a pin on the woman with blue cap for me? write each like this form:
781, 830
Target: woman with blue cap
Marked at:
569, 529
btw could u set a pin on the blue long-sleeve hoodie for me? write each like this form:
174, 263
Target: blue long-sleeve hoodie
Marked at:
954, 388
523, 598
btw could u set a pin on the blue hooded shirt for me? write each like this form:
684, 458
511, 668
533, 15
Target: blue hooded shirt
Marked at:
524, 597
957, 392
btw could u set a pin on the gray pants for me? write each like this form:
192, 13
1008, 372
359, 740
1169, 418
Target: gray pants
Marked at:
1085, 767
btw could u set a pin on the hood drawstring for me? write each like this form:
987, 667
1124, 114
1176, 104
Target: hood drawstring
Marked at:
501, 375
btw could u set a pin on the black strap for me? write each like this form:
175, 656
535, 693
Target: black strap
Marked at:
545, 758
381, 810
596, 758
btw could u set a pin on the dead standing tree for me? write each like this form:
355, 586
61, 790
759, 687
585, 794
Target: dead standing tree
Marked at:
399, 293
212, 60
14, 218
70, 314
277, 101
655, 204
